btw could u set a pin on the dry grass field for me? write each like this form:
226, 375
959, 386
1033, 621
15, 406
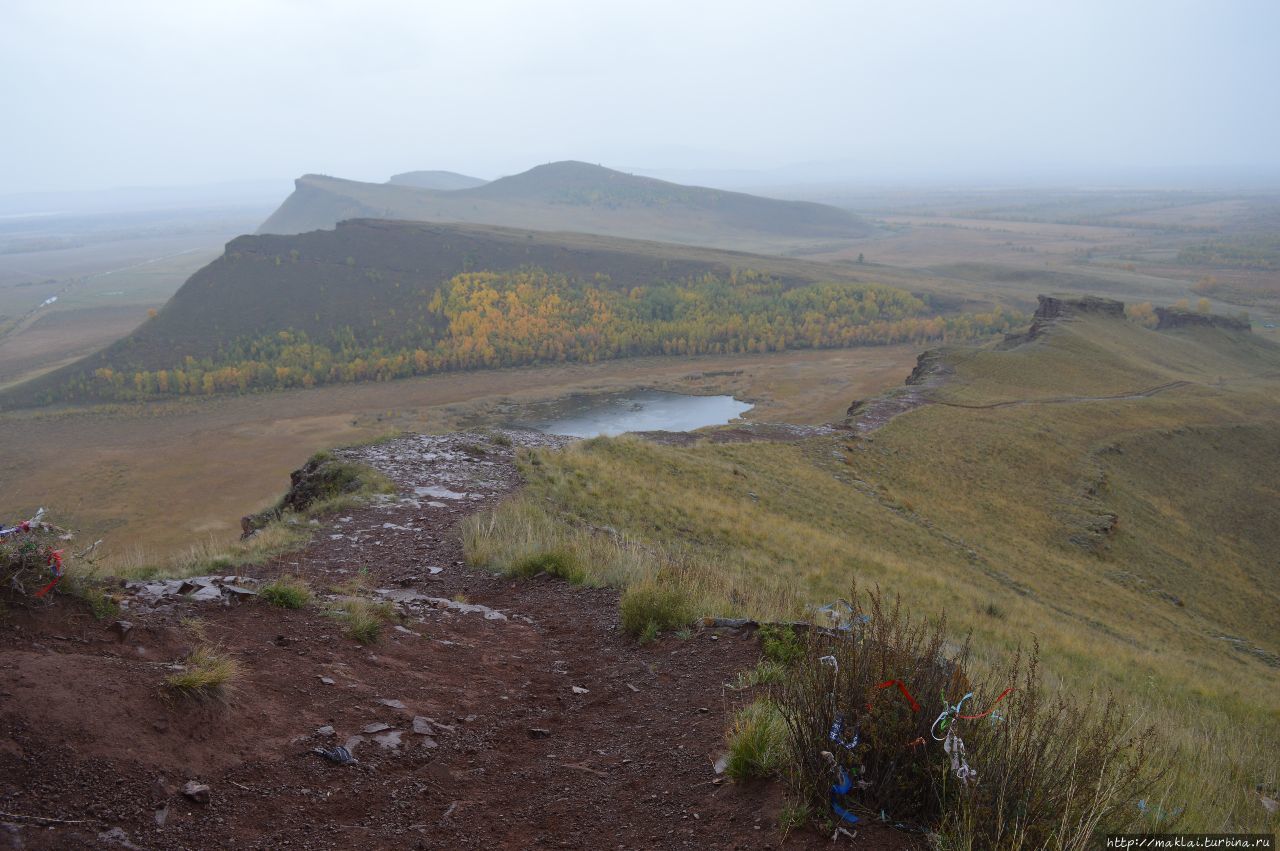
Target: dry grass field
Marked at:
162, 476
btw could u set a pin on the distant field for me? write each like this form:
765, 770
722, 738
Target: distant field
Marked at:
112, 270
1126, 244
161, 476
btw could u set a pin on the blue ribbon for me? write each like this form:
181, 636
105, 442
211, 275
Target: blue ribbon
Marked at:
839, 790
845, 783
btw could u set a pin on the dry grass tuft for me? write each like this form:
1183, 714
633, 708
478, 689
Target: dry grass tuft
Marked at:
364, 619
210, 673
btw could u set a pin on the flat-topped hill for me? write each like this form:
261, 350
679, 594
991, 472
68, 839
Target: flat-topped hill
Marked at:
569, 196
379, 299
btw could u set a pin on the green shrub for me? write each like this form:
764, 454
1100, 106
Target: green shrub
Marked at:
757, 742
650, 606
780, 644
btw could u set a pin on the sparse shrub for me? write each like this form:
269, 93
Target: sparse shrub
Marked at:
497, 438
209, 673
647, 603
287, 592
25, 559
1051, 772
883, 646
1054, 773
757, 742
780, 644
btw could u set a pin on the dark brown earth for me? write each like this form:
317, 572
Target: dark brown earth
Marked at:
94, 754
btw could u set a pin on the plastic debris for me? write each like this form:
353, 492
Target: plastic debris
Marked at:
338, 755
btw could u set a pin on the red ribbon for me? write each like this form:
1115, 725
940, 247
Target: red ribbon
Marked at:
915, 707
55, 564
1002, 696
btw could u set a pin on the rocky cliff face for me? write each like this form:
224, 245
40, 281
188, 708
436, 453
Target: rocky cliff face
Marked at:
1172, 317
1054, 309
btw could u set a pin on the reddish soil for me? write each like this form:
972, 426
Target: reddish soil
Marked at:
94, 754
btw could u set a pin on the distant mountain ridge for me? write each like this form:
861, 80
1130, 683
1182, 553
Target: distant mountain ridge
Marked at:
447, 181
569, 196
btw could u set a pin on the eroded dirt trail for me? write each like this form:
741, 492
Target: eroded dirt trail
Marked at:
520, 718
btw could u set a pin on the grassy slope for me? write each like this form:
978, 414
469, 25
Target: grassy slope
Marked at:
994, 514
575, 197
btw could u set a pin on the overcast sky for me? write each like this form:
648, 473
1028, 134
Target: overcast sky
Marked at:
130, 92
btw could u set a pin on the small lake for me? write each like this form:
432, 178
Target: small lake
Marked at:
642, 410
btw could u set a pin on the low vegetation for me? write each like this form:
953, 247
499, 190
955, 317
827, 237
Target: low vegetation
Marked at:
757, 742
213, 556
287, 592
208, 673
653, 607
1016, 766
363, 619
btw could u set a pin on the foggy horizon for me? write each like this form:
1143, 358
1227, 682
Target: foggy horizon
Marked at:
140, 95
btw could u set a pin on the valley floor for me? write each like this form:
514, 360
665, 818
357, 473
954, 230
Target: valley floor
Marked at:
152, 478
93, 754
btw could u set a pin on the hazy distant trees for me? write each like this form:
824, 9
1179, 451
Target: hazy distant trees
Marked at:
1144, 314
498, 319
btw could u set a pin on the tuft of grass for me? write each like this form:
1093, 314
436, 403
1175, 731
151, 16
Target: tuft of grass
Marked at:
497, 438
210, 673
101, 604
766, 673
364, 619
560, 562
649, 634
794, 815
650, 607
757, 741
287, 592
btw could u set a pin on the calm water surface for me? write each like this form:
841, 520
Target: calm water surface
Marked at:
647, 410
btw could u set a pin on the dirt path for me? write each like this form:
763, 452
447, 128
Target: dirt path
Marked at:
540, 723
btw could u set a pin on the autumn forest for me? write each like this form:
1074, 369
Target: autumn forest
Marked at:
498, 319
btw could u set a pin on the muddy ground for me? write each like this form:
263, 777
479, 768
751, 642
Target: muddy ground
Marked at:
522, 718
